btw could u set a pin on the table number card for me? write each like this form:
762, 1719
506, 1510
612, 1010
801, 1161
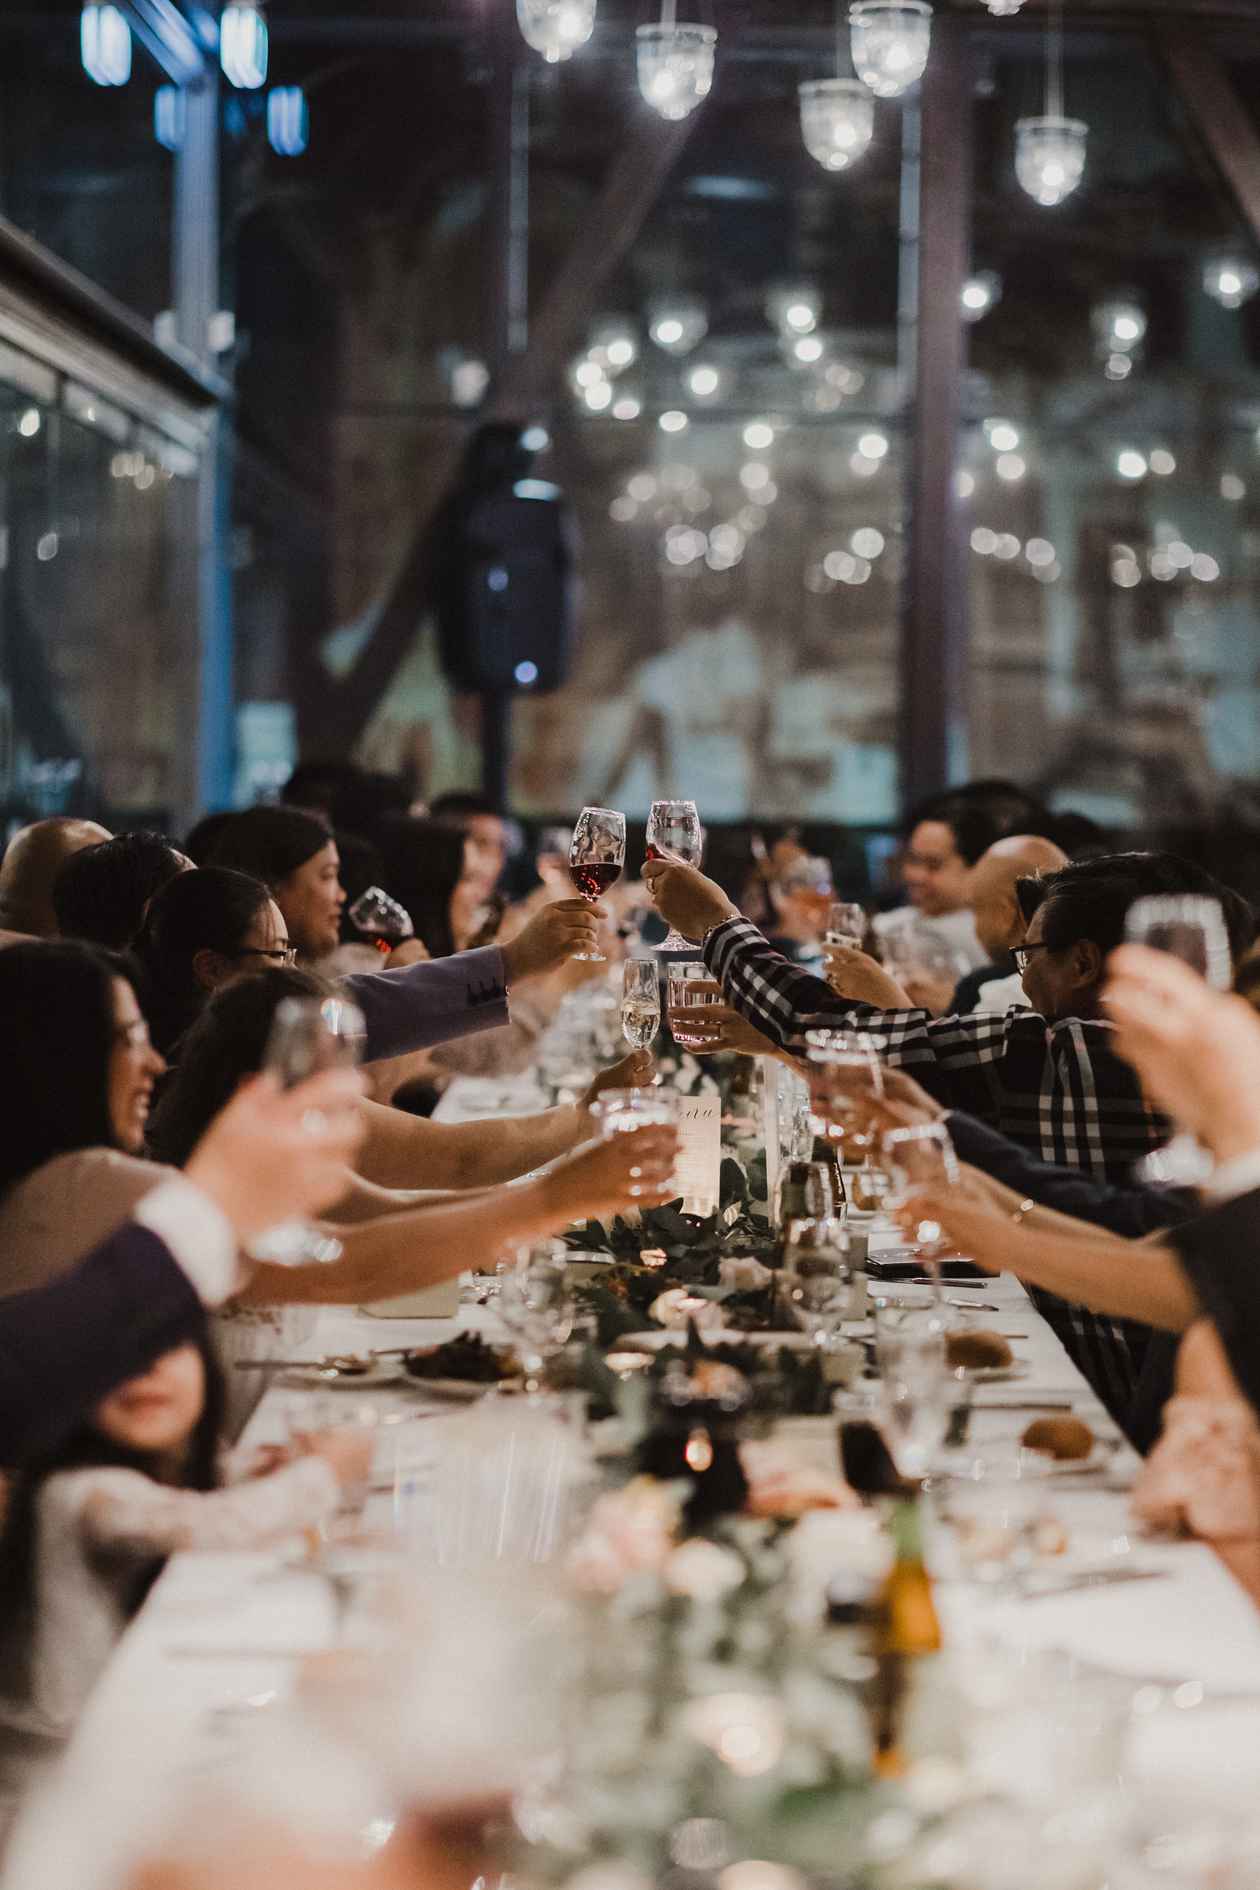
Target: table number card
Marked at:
697, 1171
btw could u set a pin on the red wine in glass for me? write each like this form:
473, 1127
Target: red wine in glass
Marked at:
594, 878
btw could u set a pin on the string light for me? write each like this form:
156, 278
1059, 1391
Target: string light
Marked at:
837, 121
1230, 280
1050, 150
555, 28
243, 44
105, 44
288, 120
980, 293
890, 40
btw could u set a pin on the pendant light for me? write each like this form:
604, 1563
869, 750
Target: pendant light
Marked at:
243, 44
675, 63
1050, 150
890, 40
837, 115
555, 28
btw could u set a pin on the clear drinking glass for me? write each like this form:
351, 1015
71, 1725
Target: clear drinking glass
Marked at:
536, 1306
618, 1111
308, 1036
846, 924
382, 919
806, 1192
816, 1281
1191, 927
916, 1159
596, 856
640, 1001
915, 1390
674, 833
683, 981
845, 1078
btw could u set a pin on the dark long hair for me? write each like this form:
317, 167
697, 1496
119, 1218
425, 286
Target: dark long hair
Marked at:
102, 892
87, 1448
211, 909
226, 1044
57, 1001
424, 863
270, 843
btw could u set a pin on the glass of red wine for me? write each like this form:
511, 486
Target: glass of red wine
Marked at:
674, 833
596, 857
383, 920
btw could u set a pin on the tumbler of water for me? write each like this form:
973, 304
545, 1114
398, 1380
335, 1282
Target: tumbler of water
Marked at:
308, 1036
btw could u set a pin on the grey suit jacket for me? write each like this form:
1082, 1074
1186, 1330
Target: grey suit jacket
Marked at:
428, 1004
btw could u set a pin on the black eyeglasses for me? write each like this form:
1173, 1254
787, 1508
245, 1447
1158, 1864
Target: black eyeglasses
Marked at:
1022, 953
282, 954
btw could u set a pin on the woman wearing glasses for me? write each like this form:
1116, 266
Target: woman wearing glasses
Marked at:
203, 930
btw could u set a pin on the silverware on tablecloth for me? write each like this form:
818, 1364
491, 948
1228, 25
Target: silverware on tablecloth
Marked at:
1087, 1579
1050, 1403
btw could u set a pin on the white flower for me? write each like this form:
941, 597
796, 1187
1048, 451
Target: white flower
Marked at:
703, 1570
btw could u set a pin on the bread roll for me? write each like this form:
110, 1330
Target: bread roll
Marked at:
977, 1350
1067, 1439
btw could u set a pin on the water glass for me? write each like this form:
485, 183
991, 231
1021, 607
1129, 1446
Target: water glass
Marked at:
845, 1081
918, 1159
846, 924
618, 1111
308, 1036
640, 1001
816, 1283
688, 990
806, 1192
996, 1506
536, 1305
915, 1392
1192, 928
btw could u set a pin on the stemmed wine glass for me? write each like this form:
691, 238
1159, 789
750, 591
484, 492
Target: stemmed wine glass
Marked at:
674, 833
640, 1001
846, 924
308, 1035
1191, 927
845, 1080
536, 1305
596, 856
384, 921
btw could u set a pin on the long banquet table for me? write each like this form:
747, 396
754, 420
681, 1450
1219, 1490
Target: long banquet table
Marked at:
221, 1634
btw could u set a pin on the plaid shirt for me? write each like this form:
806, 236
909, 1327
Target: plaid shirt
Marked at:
1059, 1091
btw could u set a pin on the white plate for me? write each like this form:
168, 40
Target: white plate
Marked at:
993, 1374
381, 1371
657, 1340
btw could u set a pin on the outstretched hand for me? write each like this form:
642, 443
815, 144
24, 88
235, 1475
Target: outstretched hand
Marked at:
685, 899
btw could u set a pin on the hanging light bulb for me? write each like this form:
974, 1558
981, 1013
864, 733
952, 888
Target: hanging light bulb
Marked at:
105, 44
890, 41
837, 121
1230, 280
980, 293
555, 28
1050, 150
614, 345
678, 323
1003, 9
675, 64
794, 308
288, 120
1119, 325
1050, 157
243, 44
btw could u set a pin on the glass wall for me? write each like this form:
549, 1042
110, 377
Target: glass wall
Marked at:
98, 606
1110, 466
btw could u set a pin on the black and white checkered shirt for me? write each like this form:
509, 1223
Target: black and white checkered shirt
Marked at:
1059, 1091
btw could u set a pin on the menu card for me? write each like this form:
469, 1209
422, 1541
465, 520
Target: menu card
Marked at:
698, 1168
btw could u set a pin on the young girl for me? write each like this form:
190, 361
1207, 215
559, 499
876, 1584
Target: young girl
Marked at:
89, 1529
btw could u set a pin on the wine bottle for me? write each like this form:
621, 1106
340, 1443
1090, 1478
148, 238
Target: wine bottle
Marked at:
907, 1628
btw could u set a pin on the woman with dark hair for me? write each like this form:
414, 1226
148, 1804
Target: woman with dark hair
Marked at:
88, 1530
102, 892
401, 1151
426, 870
294, 854
70, 1169
204, 929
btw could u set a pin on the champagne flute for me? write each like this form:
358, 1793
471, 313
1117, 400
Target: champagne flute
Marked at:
384, 921
1191, 927
640, 1001
674, 833
308, 1035
596, 856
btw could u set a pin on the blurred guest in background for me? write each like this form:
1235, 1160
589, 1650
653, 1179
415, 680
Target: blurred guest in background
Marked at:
102, 892
294, 853
32, 861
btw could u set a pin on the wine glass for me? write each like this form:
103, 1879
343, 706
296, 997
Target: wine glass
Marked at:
816, 1280
536, 1306
597, 854
806, 1192
640, 1001
846, 924
619, 1111
1191, 927
308, 1036
674, 833
684, 981
916, 1159
384, 921
845, 1079
915, 1388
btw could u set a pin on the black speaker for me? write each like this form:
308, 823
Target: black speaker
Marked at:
504, 580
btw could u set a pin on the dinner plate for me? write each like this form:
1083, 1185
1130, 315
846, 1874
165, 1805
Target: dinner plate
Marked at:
993, 1374
657, 1340
461, 1390
380, 1371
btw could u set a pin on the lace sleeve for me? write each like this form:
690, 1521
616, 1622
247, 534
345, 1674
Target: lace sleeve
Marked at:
123, 1511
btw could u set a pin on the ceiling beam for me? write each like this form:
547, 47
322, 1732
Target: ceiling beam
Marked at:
1206, 91
525, 389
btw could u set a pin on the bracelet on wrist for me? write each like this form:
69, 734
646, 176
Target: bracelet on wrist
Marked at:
1022, 1212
